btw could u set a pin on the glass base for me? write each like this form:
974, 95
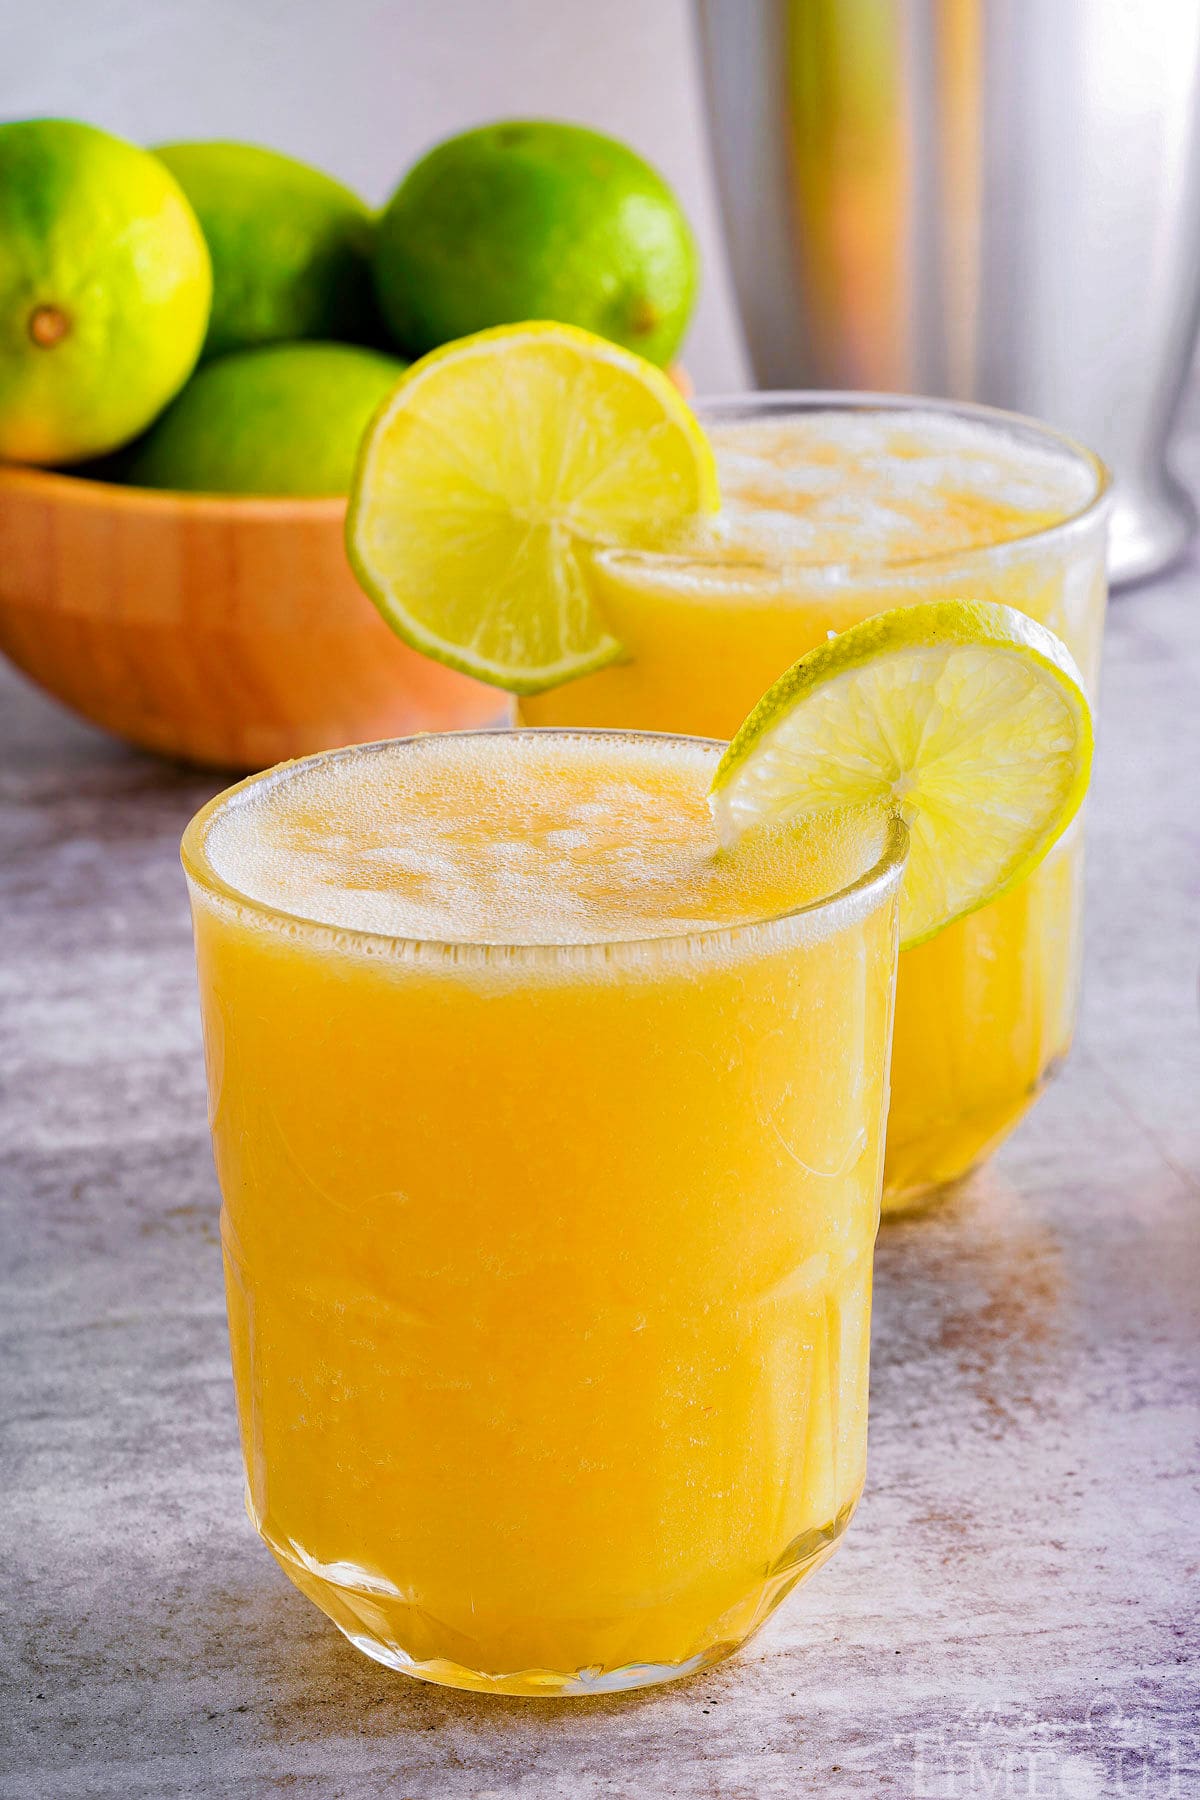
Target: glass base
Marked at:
367, 1620
921, 1174
546, 1684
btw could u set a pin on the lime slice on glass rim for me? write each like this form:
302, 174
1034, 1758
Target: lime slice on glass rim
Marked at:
967, 718
487, 475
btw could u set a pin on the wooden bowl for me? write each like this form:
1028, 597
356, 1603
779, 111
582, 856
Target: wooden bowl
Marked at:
223, 630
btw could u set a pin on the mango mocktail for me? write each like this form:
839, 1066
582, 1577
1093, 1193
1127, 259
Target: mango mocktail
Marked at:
832, 512
550, 1141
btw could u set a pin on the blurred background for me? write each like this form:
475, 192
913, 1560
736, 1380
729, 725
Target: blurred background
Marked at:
997, 200
362, 87
993, 201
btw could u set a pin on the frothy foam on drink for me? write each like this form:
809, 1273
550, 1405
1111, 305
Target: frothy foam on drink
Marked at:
882, 487
515, 839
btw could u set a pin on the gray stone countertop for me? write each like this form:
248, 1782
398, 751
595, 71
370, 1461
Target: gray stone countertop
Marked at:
1014, 1611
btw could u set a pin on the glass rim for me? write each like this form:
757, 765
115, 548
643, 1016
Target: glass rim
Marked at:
809, 400
837, 910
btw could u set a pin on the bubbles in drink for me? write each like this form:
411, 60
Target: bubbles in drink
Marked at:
518, 840
872, 487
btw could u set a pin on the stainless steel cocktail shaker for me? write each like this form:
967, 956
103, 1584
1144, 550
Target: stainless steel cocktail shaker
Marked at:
995, 200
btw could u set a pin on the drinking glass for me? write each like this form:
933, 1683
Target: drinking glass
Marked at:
548, 1267
985, 1011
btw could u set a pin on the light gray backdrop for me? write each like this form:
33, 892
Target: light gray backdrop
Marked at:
361, 87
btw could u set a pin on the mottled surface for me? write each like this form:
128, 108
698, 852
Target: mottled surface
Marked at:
1014, 1611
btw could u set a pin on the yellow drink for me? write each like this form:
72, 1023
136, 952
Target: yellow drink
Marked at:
831, 514
550, 1144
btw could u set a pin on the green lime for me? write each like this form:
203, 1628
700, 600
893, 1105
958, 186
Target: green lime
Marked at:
291, 247
966, 718
536, 221
104, 290
498, 460
285, 419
